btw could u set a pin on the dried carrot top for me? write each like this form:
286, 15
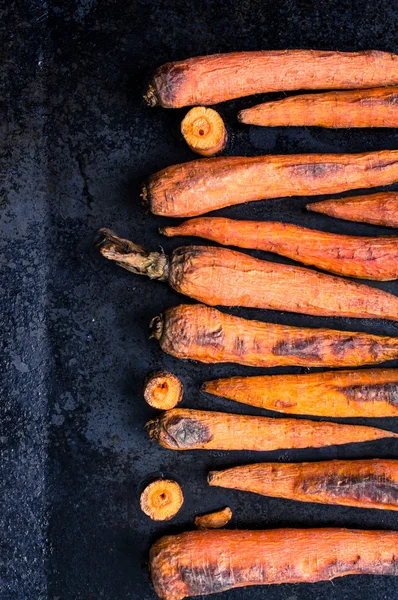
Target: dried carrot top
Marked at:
163, 390
161, 499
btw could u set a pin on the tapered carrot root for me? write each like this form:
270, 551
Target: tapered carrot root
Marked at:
360, 483
163, 390
186, 429
366, 393
204, 131
200, 333
214, 520
379, 209
218, 276
206, 562
200, 186
354, 256
220, 77
161, 499
359, 108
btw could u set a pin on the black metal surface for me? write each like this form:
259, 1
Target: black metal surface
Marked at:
75, 334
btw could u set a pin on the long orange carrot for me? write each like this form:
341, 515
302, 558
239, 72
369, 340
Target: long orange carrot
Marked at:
379, 209
218, 276
220, 77
197, 187
365, 393
201, 333
358, 108
354, 256
187, 429
206, 562
361, 483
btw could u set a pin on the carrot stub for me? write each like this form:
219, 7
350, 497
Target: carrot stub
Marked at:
214, 520
161, 499
163, 390
204, 131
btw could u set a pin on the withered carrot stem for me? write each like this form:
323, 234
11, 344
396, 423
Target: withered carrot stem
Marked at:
204, 131
214, 520
163, 390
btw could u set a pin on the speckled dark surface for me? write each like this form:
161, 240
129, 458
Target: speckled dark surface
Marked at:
78, 141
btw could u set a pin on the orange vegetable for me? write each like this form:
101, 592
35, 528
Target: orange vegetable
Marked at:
204, 131
187, 429
353, 256
358, 108
379, 209
365, 393
220, 77
361, 483
163, 390
200, 333
161, 499
214, 520
203, 185
218, 276
206, 562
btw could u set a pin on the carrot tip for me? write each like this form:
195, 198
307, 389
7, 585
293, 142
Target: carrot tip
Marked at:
145, 197
151, 98
156, 327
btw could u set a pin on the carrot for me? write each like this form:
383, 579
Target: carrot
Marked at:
161, 499
214, 520
197, 187
200, 333
366, 393
359, 108
220, 77
218, 276
204, 131
379, 209
206, 562
187, 429
354, 256
361, 483
163, 390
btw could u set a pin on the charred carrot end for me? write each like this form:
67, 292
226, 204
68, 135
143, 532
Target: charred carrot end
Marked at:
163, 390
161, 499
198, 563
214, 520
204, 131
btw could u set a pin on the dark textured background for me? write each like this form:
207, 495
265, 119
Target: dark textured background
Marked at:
78, 141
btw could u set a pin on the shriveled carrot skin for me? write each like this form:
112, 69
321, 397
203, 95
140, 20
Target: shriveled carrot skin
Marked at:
378, 209
361, 483
366, 393
353, 256
187, 429
359, 108
206, 562
205, 334
220, 77
214, 520
207, 184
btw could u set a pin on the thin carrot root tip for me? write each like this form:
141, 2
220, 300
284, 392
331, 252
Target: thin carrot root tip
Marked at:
161, 499
214, 520
163, 391
204, 131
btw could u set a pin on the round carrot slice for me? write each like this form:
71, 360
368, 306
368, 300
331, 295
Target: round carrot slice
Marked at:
161, 499
163, 390
204, 131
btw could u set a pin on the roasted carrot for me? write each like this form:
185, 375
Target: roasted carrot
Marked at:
187, 429
214, 520
206, 562
200, 333
361, 483
218, 276
366, 393
161, 499
197, 187
379, 209
204, 131
163, 390
358, 108
220, 77
354, 256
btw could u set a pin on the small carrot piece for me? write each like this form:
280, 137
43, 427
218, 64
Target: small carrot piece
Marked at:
214, 520
162, 499
203, 185
353, 256
361, 483
207, 562
365, 393
163, 390
218, 276
358, 108
220, 77
187, 429
379, 209
197, 332
204, 131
